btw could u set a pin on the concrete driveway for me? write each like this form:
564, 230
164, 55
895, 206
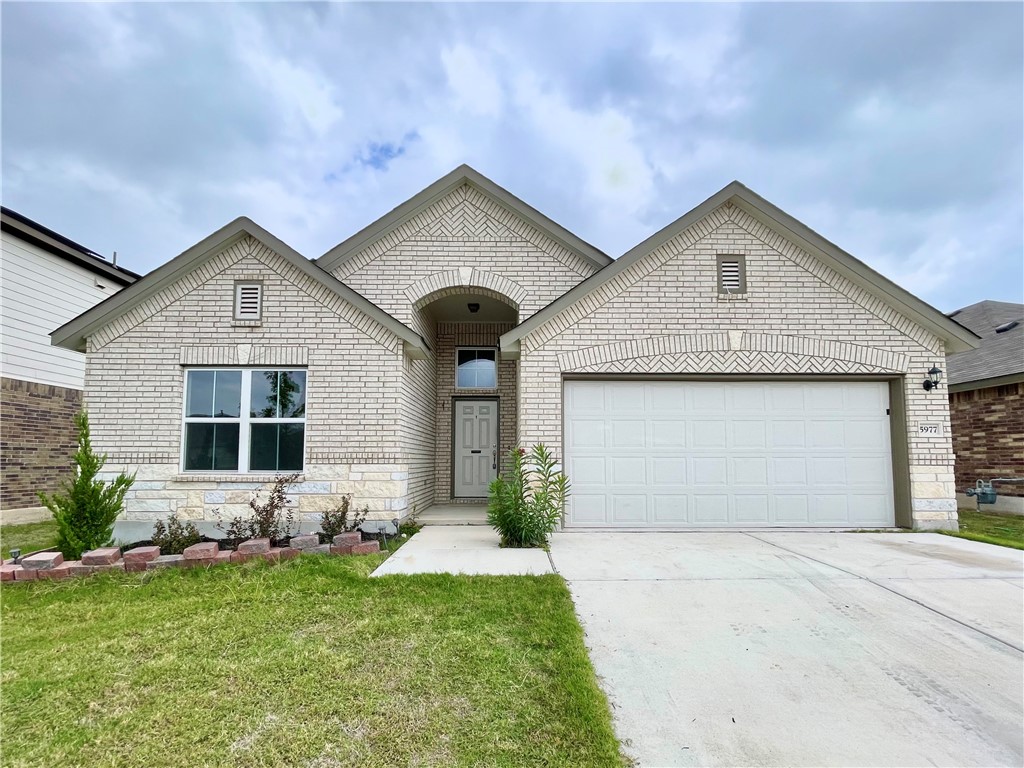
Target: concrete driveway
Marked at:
804, 648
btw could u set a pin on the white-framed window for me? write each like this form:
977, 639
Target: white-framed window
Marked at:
248, 301
244, 420
476, 368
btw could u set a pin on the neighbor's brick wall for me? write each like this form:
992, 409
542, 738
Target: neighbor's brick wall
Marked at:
37, 439
664, 315
449, 337
135, 381
988, 436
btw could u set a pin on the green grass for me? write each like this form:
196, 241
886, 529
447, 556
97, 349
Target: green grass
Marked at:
990, 528
28, 537
307, 663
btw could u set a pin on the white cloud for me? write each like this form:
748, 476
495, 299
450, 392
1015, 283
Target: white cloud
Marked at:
471, 79
306, 95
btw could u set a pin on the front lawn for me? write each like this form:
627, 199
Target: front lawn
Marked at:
1004, 530
306, 663
28, 537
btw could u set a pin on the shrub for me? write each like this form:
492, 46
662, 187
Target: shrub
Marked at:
272, 519
175, 537
525, 506
335, 521
85, 508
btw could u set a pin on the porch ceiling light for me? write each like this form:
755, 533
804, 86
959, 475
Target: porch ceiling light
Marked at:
473, 307
934, 377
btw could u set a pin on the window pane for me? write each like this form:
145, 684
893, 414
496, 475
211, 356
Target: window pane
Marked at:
477, 368
200, 393
290, 446
211, 447
263, 400
225, 447
275, 447
228, 394
291, 389
199, 446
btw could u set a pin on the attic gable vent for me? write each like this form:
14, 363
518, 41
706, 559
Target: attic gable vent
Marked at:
248, 301
732, 274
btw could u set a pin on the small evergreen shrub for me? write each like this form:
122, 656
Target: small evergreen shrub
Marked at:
271, 519
85, 508
525, 506
337, 520
175, 537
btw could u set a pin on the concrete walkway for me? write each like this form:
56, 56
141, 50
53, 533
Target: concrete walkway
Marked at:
804, 649
463, 549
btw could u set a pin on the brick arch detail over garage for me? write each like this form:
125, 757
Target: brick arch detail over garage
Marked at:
732, 352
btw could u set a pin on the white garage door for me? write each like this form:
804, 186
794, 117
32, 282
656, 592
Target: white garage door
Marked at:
683, 454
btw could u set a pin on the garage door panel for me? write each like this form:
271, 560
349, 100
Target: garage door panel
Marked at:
587, 470
670, 509
629, 507
628, 470
787, 433
668, 434
826, 433
751, 508
710, 470
588, 508
867, 435
710, 508
668, 470
627, 397
629, 434
789, 470
792, 509
752, 470
685, 454
708, 434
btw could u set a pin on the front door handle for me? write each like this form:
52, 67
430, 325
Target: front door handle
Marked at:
494, 457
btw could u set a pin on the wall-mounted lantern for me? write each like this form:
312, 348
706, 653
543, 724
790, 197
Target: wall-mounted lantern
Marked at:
934, 377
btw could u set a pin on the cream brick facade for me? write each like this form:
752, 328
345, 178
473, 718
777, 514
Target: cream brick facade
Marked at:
664, 315
378, 423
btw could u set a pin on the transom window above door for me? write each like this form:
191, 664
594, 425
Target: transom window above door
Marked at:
476, 368
244, 420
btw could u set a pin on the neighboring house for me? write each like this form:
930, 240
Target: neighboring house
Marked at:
735, 369
986, 403
47, 280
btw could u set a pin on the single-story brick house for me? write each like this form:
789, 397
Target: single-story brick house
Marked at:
734, 369
986, 403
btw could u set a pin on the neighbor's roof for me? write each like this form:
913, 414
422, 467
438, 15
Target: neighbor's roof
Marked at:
1000, 354
62, 247
72, 334
444, 186
956, 337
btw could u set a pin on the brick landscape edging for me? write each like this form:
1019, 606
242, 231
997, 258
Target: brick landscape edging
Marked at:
51, 565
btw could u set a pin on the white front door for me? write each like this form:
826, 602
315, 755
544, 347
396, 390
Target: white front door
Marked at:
476, 447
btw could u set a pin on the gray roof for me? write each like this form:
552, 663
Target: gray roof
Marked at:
1000, 354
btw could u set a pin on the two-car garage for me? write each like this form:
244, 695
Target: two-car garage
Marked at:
655, 453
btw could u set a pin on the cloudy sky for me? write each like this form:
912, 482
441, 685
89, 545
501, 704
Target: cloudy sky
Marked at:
893, 130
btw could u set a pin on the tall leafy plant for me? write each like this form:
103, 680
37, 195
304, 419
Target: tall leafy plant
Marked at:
525, 506
85, 508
